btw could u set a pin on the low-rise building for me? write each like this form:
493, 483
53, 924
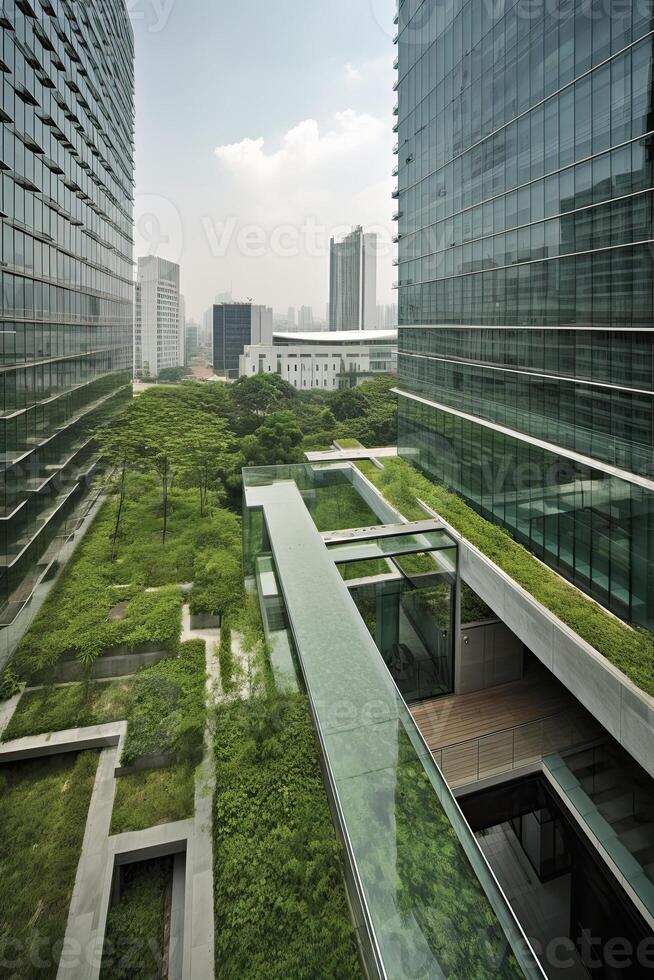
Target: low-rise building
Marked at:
328, 361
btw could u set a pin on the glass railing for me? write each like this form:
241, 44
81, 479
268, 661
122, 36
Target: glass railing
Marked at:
432, 905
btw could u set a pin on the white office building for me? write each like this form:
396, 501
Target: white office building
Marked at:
353, 282
158, 317
327, 360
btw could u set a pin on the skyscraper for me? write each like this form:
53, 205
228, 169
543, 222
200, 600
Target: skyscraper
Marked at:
235, 326
158, 331
66, 258
526, 283
353, 282
305, 318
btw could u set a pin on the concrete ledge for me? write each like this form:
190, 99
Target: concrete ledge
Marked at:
60, 743
625, 711
155, 842
106, 667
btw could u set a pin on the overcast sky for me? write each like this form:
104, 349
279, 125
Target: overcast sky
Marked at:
262, 127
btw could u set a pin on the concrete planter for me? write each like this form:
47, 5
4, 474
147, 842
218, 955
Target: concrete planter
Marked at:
110, 664
205, 621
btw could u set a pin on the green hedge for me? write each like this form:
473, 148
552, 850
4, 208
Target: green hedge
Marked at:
280, 902
226, 659
630, 650
166, 709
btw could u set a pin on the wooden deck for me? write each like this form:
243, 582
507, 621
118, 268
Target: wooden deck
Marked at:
503, 728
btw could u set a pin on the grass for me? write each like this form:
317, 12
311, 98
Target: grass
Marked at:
280, 902
148, 799
43, 810
56, 709
630, 650
226, 659
340, 507
136, 927
166, 708
350, 443
74, 619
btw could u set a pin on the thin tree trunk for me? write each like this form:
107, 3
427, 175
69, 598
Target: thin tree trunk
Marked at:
165, 502
123, 487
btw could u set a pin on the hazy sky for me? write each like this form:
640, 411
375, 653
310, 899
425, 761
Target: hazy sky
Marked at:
262, 127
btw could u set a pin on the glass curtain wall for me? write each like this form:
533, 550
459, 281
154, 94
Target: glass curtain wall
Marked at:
524, 165
66, 189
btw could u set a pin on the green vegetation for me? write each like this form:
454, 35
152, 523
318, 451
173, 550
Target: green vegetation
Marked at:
340, 506
166, 708
147, 799
172, 375
473, 609
43, 810
134, 946
217, 584
630, 650
280, 902
9, 684
74, 621
349, 443
56, 709
226, 659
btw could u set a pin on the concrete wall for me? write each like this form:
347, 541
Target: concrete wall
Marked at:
490, 654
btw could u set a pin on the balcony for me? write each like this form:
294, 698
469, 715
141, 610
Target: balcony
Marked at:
395, 194
396, 64
396, 127
396, 149
397, 215
396, 171
396, 109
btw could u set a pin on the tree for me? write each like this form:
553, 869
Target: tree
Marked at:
257, 397
206, 458
348, 403
275, 442
172, 375
122, 445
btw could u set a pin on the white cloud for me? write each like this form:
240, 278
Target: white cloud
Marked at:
352, 74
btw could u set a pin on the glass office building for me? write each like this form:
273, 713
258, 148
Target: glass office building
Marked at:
526, 351
66, 192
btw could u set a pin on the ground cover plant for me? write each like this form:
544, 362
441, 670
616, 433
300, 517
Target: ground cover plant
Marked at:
166, 707
43, 810
147, 799
56, 709
630, 650
280, 901
134, 945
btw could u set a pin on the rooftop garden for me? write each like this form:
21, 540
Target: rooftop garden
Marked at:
43, 810
280, 902
630, 650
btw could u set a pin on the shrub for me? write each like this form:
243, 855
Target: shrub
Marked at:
134, 946
166, 710
148, 799
9, 684
56, 709
217, 584
226, 658
280, 902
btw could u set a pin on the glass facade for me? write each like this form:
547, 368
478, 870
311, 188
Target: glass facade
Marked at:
525, 149
232, 332
66, 191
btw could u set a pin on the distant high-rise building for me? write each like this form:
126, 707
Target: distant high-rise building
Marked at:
305, 318
353, 282
235, 326
387, 316
290, 316
66, 260
158, 341
191, 341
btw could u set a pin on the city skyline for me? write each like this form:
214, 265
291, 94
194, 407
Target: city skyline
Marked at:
249, 194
